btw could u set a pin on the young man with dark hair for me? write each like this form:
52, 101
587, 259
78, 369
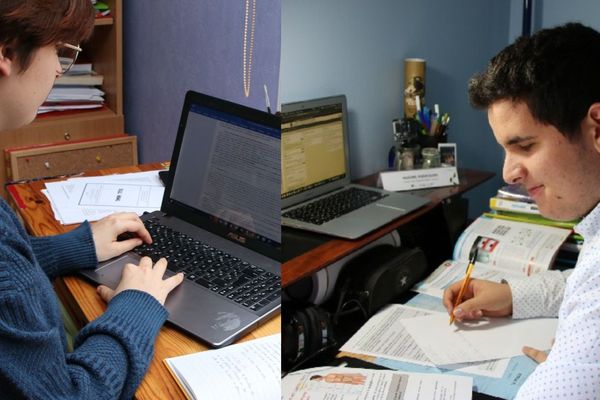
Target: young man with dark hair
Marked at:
542, 96
113, 352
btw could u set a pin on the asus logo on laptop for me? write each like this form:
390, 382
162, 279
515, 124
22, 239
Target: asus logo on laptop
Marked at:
236, 237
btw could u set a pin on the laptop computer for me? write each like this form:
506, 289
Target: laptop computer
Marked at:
316, 193
220, 215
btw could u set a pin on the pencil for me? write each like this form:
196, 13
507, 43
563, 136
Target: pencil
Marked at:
461, 292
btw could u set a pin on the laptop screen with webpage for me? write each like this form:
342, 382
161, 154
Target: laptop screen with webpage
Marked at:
313, 147
225, 176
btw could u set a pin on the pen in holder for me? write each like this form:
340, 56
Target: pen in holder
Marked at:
433, 125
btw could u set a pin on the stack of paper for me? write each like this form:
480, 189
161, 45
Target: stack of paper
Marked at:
80, 68
420, 340
92, 198
72, 98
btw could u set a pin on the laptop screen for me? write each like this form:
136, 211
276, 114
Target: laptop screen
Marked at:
313, 145
226, 170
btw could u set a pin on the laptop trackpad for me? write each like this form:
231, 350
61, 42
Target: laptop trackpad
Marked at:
109, 273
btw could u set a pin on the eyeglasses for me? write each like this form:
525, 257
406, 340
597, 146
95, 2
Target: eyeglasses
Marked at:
67, 54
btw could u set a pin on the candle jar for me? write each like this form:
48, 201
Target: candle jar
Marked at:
431, 157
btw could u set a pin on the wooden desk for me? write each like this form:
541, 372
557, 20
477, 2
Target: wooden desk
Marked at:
329, 250
84, 304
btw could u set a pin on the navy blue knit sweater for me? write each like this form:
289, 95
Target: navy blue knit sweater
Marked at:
111, 354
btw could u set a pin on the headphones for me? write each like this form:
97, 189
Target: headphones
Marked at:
307, 332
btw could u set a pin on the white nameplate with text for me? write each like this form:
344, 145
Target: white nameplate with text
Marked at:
413, 179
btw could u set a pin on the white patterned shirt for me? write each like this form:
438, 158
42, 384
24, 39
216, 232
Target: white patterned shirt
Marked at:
572, 370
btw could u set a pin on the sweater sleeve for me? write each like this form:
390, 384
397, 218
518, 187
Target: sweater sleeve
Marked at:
111, 354
120, 342
62, 254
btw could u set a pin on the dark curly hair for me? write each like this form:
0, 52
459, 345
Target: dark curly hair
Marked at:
556, 72
26, 25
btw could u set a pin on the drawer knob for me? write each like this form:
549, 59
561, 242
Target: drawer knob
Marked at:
98, 158
67, 136
47, 164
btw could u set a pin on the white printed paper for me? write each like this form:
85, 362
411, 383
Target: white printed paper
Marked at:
384, 336
92, 198
484, 339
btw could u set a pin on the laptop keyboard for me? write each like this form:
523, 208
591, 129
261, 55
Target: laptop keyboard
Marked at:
330, 207
226, 275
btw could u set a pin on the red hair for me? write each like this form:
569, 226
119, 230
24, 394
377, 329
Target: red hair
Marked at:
27, 25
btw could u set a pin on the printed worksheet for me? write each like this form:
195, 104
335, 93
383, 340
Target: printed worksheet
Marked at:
385, 336
484, 339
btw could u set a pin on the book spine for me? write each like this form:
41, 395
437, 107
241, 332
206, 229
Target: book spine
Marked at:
514, 206
524, 218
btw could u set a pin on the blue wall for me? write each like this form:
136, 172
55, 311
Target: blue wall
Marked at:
171, 47
357, 48
556, 12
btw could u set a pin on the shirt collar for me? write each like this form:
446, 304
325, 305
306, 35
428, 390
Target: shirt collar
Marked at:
590, 225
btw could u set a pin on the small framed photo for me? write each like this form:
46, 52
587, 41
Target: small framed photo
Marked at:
448, 154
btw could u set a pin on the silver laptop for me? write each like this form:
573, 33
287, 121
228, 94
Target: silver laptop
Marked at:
316, 193
219, 221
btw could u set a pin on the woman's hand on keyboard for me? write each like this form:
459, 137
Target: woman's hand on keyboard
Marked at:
107, 230
146, 278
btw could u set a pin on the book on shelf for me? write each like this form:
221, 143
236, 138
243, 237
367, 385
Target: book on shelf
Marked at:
102, 9
91, 79
249, 370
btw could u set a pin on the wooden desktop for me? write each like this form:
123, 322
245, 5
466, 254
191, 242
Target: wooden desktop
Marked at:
83, 303
324, 251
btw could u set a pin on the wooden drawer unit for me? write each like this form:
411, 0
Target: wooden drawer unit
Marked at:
71, 158
54, 129
60, 129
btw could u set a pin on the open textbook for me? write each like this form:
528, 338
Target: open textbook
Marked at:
338, 383
243, 371
506, 248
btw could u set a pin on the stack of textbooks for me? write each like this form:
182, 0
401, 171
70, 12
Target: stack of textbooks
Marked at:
514, 204
75, 90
